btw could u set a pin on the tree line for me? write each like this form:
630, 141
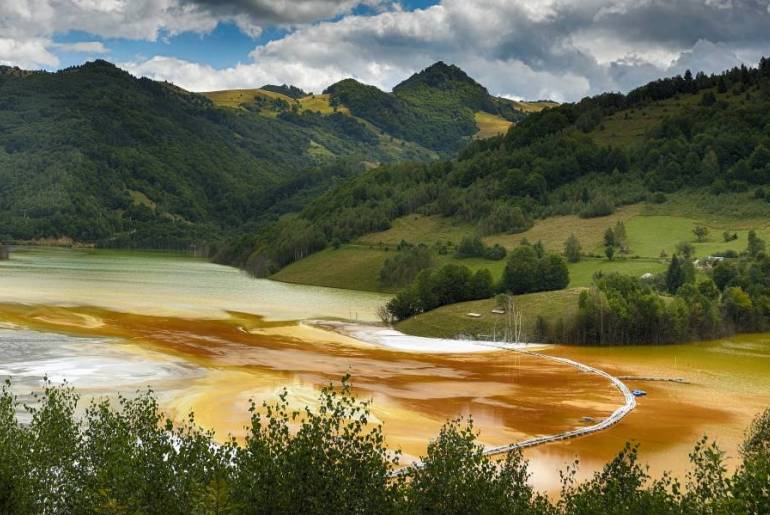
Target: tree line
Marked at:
126, 457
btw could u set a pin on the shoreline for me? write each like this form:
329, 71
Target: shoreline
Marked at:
396, 340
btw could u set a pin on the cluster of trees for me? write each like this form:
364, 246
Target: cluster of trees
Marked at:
673, 307
403, 267
546, 165
438, 287
615, 240
529, 269
473, 246
127, 458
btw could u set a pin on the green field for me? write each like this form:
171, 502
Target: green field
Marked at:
351, 267
453, 320
555, 230
236, 98
357, 265
534, 107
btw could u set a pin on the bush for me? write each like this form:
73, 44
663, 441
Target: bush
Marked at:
433, 288
527, 272
472, 246
600, 206
402, 268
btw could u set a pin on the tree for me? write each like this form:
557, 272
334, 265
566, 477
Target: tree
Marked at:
737, 306
675, 275
621, 237
701, 232
755, 245
723, 274
710, 165
609, 237
685, 249
609, 251
519, 275
553, 273
572, 249
470, 246
485, 487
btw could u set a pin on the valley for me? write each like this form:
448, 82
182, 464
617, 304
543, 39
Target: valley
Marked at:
212, 341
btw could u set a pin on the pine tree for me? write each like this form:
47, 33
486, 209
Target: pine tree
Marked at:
675, 275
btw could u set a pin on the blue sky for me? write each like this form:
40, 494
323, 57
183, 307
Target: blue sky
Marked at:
532, 49
225, 46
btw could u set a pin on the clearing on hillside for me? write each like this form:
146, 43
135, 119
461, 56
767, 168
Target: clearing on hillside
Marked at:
490, 125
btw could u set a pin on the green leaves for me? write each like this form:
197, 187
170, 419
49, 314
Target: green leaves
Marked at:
125, 457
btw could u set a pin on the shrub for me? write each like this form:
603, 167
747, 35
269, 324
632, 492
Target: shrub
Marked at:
600, 206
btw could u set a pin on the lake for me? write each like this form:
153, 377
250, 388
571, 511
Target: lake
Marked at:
209, 338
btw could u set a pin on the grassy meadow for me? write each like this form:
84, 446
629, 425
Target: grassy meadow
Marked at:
490, 125
450, 321
650, 232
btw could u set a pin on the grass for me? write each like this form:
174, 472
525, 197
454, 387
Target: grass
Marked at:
649, 230
320, 104
581, 273
319, 151
490, 125
140, 199
351, 267
555, 230
235, 98
534, 107
419, 229
450, 321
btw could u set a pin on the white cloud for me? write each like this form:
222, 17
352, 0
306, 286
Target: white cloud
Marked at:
562, 49
27, 53
28, 24
83, 47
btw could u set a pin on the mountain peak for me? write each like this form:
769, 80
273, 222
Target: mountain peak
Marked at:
440, 76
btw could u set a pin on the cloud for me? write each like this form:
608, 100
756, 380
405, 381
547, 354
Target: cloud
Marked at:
252, 15
560, 49
30, 25
27, 53
83, 47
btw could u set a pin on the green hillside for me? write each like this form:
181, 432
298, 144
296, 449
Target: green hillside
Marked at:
435, 107
705, 137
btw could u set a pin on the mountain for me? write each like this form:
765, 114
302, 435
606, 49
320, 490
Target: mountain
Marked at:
93, 154
435, 107
703, 134
438, 110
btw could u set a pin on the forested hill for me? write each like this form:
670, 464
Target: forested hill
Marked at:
435, 107
93, 154
710, 133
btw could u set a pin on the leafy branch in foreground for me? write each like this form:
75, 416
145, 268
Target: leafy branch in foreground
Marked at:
126, 457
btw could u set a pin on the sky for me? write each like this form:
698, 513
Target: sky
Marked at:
531, 49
